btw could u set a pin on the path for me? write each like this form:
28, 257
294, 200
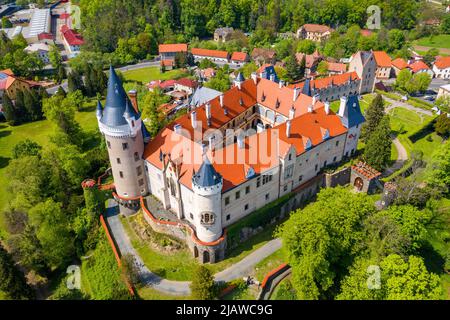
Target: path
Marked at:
401, 158
395, 104
238, 270
425, 48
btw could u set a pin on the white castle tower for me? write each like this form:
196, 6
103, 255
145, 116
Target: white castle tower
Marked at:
124, 132
207, 186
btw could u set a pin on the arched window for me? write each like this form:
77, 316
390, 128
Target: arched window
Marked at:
173, 191
207, 218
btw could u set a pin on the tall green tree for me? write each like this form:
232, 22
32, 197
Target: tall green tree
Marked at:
377, 151
202, 285
9, 111
374, 114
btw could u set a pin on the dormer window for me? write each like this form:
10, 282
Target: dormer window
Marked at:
132, 123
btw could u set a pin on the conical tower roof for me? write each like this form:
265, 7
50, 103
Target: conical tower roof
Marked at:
206, 176
307, 88
116, 102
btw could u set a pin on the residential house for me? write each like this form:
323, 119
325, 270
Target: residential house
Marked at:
384, 65
41, 49
185, 84
314, 32
311, 61
441, 68
10, 84
336, 67
444, 91
72, 41
223, 34
239, 58
262, 56
213, 55
398, 65
420, 67
167, 53
364, 64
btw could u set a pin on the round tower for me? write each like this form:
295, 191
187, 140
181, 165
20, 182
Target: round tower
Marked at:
122, 127
207, 186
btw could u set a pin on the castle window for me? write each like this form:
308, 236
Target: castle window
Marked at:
118, 160
300, 178
228, 217
207, 218
258, 182
246, 207
109, 144
290, 156
316, 167
238, 195
337, 143
247, 189
124, 146
141, 182
172, 187
136, 156
285, 187
121, 174
139, 170
227, 201
191, 216
267, 196
334, 159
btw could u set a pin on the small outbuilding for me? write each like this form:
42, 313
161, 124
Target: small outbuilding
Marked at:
364, 178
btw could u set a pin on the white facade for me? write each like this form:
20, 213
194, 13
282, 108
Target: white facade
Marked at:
441, 73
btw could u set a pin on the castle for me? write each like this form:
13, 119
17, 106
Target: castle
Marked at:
236, 153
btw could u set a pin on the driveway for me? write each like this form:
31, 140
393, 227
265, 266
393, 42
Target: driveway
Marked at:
148, 278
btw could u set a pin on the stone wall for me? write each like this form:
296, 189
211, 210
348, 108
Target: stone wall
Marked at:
339, 178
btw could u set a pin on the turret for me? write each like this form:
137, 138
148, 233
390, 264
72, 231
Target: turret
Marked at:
123, 129
239, 80
207, 186
351, 118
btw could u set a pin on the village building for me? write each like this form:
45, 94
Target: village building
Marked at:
239, 58
384, 65
205, 74
41, 49
202, 95
10, 84
441, 68
314, 32
364, 64
167, 53
398, 65
311, 61
203, 169
72, 41
420, 67
261, 56
213, 55
444, 91
223, 34
336, 68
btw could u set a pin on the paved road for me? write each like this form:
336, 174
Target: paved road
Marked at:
238, 270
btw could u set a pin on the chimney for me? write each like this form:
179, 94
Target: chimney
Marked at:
280, 84
194, 119
254, 77
221, 100
288, 128
208, 113
342, 106
327, 107
240, 140
314, 99
177, 128
132, 94
295, 94
211, 140
272, 77
292, 112
310, 108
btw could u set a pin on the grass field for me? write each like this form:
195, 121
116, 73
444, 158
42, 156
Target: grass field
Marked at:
38, 131
438, 41
147, 293
147, 74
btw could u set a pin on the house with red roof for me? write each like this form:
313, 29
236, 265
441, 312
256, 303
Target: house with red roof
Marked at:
11, 84
72, 41
311, 61
398, 65
213, 55
441, 68
384, 65
168, 51
262, 55
336, 67
420, 67
239, 58
314, 32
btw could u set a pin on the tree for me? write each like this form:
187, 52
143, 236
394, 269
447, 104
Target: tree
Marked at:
206, 63
306, 46
130, 271
9, 110
26, 148
440, 164
442, 125
374, 114
61, 74
422, 80
320, 240
322, 67
403, 78
6, 23
12, 280
400, 279
76, 99
430, 56
202, 285
443, 103
396, 39
377, 151
180, 60
75, 81
19, 106
55, 57
152, 102
293, 69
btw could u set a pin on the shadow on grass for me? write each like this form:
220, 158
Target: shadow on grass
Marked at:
434, 261
5, 133
4, 162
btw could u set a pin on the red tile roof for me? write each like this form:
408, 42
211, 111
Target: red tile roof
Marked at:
72, 37
366, 170
45, 36
338, 79
176, 47
187, 82
310, 59
167, 63
418, 66
366, 32
266, 53
239, 56
209, 53
310, 27
399, 63
442, 63
337, 67
382, 59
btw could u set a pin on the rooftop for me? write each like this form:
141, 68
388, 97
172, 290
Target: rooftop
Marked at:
176, 47
382, 59
209, 53
311, 27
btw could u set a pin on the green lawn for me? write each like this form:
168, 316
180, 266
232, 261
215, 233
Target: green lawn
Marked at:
438, 41
147, 74
147, 293
38, 131
268, 264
